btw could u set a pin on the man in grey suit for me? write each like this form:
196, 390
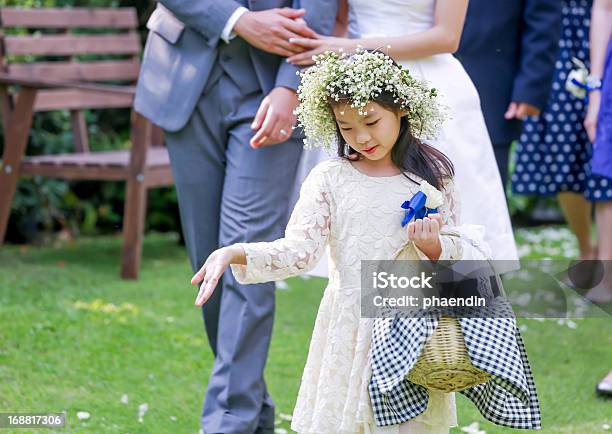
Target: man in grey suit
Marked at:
214, 78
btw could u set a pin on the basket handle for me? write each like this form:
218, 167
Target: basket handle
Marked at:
457, 234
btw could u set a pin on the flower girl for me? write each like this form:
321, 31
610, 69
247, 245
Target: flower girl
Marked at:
375, 113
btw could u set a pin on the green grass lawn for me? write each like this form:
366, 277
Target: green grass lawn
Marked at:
76, 338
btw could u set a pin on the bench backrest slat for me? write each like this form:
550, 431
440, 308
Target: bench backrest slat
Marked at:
103, 70
62, 18
72, 44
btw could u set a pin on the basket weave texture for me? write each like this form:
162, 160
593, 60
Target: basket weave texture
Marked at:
444, 364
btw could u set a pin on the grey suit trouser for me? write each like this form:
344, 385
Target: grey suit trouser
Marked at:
229, 192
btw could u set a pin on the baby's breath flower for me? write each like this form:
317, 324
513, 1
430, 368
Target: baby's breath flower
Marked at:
362, 76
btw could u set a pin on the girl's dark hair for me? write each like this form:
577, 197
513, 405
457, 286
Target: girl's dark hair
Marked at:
409, 153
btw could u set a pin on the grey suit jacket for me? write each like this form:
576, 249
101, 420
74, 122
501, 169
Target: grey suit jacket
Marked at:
180, 53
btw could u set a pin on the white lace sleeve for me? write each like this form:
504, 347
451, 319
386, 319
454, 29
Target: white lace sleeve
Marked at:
304, 242
451, 208
449, 211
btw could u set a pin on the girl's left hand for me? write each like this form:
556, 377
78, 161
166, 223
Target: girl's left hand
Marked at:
318, 45
211, 272
425, 233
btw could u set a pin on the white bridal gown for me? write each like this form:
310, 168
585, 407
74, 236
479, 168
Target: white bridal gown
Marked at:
464, 138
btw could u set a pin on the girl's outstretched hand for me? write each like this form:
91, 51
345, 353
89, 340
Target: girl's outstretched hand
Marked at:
212, 270
425, 233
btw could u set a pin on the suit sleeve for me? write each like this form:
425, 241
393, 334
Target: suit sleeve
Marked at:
320, 17
207, 17
538, 51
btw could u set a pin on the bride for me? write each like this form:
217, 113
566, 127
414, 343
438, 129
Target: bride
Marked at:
421, 35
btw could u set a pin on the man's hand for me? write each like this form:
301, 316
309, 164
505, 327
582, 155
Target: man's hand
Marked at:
271, 29
520, 110
274, 120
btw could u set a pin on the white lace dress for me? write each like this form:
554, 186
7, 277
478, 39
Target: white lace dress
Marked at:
354, 217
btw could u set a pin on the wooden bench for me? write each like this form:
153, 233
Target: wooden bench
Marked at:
77, 59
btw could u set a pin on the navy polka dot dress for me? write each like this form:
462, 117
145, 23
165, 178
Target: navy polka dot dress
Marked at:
554, 154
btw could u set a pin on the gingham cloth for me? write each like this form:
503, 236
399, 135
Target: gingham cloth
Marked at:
492, 339
494, 345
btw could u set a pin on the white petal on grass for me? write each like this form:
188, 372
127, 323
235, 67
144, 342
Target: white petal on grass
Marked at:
572, 253
605, 426
286, 417
281, 284
173, 418
567, 322
553, 234
83, 415
523, 327
523, 275
277, 422
549, 296
471, 428
523, 299
280, 431
553, 251
545, 265
524, 250
170, 319
142, 410
124, 398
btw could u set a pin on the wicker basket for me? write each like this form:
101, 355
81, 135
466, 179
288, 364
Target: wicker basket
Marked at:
444, 364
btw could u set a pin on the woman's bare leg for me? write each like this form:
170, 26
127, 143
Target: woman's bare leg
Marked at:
577, 212
602, 293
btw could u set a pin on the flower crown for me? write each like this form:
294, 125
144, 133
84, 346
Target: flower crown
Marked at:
362, 76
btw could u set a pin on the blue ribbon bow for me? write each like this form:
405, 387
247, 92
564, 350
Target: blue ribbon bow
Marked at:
415, 208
